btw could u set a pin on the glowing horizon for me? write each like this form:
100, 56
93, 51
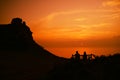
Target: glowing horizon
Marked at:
67, 23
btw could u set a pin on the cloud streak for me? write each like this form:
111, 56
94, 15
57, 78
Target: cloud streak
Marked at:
111, 3
81, 22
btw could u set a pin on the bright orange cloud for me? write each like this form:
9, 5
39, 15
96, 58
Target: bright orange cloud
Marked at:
111, 3
84, 23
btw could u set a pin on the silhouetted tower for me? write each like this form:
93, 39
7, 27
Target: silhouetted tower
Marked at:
85, 56
77, 56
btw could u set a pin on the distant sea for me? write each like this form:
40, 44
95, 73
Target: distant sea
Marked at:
67, 52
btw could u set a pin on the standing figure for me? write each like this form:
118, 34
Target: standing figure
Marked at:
77, 56
85, 56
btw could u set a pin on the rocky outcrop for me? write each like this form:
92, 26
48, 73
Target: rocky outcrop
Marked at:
16, 35
21, 58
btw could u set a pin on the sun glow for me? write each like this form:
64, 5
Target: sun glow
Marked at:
68, 23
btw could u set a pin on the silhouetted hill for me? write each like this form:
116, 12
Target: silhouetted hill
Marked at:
21, 58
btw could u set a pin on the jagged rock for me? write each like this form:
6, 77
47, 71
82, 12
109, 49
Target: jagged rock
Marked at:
16, 35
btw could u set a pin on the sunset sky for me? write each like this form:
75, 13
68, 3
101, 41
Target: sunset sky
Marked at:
64, 26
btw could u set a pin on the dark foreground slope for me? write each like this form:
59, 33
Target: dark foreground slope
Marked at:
21, 58
101, 68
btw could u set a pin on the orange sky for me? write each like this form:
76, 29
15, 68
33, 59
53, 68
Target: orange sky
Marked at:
58, 24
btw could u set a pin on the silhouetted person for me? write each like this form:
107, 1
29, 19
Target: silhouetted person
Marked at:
85, 56
77, 56
72, 56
